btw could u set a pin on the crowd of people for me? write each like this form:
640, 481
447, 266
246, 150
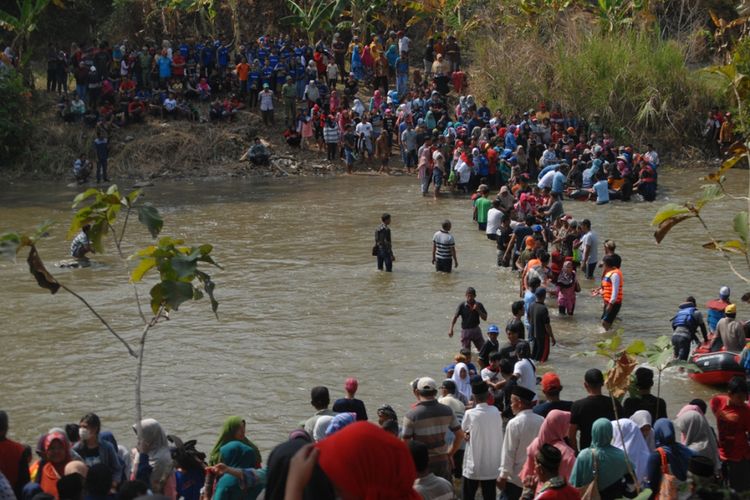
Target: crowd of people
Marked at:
485, 427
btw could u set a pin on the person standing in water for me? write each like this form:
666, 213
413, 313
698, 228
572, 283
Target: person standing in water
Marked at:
383, 249
444, 249
471, 313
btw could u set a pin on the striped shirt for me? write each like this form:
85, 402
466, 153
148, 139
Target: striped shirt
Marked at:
428, 423
444, 244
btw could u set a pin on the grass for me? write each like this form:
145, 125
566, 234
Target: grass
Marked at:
639, 84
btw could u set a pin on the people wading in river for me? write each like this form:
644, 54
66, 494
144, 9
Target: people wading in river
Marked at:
383, 249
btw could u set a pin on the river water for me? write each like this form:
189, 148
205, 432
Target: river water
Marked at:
302, 304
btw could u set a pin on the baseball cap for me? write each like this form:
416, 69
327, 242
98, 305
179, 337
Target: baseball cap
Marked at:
426, 384
540, 292
550, 382
724, 291
493, 329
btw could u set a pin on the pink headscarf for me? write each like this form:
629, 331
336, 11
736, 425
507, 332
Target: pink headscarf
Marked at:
688, 408
553, 431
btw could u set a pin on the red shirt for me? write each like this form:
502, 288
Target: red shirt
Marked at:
10, 458
566, 492
178, 64
733, 424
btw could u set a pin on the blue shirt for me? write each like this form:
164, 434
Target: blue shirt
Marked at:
510, 141
254, 78
546, 170
223, 54
602, 191
588, 176
402, 66
558, 182
165, 67
184, 50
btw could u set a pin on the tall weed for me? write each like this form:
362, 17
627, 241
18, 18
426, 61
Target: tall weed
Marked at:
638, 83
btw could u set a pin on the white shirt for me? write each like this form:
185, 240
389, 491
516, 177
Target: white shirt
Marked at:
403, 44
520, 432
546, 180
589, 239
364, 129
524, 370
494, 216
463, 171
266, 100
483, 455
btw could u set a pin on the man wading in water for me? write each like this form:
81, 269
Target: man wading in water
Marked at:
471, 313
382, 248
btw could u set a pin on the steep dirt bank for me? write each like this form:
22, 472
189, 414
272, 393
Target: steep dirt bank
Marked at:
164, 148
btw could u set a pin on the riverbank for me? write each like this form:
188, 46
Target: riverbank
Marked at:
161, 148
180, 149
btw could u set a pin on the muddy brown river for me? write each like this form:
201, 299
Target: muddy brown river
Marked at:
303, 305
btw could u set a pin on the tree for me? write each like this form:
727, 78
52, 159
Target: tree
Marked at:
23, 25
175, 266
312, 18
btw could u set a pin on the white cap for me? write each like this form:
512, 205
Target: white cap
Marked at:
724, 291
426, 384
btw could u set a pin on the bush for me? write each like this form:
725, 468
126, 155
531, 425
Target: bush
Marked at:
14, 115
638, 83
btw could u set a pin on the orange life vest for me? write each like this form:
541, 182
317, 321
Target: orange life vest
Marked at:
607, 286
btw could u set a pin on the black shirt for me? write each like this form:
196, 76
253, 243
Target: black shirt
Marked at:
586, 411
509, 352
351, 405
470, 318
538, 318
487, 349
546, 407
657, 407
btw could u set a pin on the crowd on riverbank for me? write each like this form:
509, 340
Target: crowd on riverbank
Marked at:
486, 426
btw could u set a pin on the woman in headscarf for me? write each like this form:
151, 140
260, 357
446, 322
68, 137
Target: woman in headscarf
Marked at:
642, 419
237, 455
632, 442
57, 456
122, 454
507, 200
677, 455
463, 381
429, 121
233, 430
318, 488
554, 430
566, 289
361, 461
610, 463
321, 425
340, 421
356, 64
358, 108
376, 101
696, 434
152, 460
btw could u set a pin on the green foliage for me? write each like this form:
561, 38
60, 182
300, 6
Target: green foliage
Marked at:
312, 18
14, 116
639, 84
101, 210
180, 278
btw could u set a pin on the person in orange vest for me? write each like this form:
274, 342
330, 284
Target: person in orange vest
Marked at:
611, 289
715, 308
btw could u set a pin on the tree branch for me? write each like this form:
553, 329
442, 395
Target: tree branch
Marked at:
723, 252
99, 317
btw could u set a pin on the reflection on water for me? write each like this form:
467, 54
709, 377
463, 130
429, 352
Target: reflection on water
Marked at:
302, 304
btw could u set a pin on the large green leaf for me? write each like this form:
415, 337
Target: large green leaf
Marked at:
170, 294
636, 347
740, 226
669, 211
146, 264
149, 217
668, 224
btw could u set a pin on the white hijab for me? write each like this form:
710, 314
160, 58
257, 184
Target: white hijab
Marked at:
358, 107
463, 385
642, 418
634, 445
